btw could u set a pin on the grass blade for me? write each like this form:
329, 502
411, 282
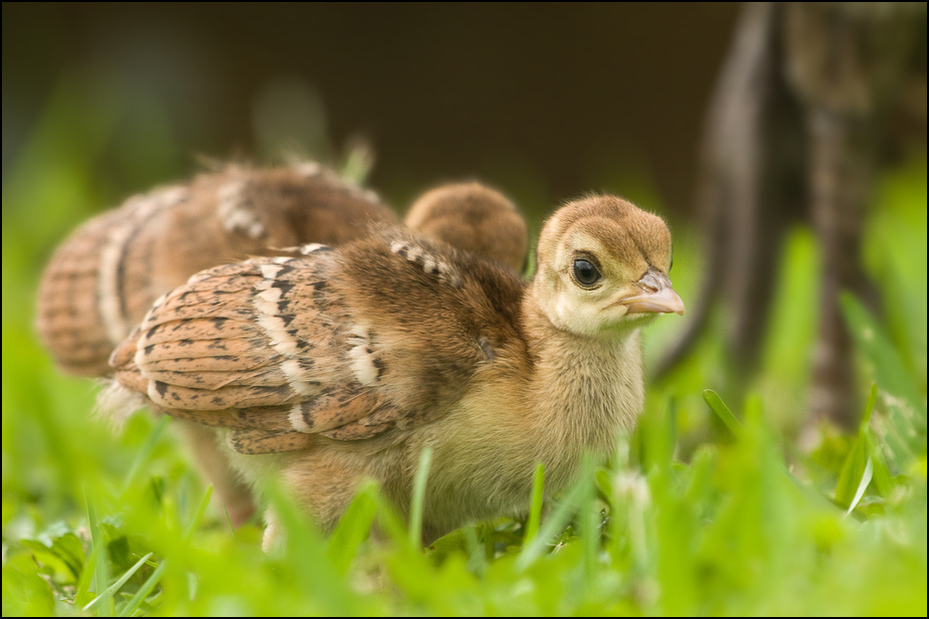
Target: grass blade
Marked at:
100, 559
151, 441
198, 515
535, 510
304, 554
722, 411
419, 498
133, 604
557, 519
112, 589
889, 369
904, 431
353, 527
862, 485
848, 486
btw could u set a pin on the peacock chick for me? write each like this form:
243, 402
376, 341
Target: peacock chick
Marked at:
335, 364
473, 217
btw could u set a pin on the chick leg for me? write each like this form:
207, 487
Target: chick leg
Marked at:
209, 452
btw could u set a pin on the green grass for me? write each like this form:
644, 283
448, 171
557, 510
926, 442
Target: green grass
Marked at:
710, 508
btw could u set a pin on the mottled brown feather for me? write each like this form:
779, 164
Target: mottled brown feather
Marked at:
310, 339
262, 442
103, 279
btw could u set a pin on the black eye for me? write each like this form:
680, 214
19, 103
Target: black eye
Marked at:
585, 273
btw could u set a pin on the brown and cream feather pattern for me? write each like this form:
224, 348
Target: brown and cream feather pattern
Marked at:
102, 280
322, 342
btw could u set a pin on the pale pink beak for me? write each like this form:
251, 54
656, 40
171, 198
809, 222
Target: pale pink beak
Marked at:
657, 295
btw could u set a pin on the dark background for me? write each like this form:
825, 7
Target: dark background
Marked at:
546, 101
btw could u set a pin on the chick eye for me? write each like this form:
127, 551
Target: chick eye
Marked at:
585, 273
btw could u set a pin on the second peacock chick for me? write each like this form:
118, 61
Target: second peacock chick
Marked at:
100, 282
472, 217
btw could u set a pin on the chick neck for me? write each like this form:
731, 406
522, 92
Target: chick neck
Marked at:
582, 389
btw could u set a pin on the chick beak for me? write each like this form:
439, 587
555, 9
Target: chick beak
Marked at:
657, 295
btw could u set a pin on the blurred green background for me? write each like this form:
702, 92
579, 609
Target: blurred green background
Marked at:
545, 102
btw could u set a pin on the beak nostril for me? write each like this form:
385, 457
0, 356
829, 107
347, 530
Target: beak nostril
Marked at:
653, 281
